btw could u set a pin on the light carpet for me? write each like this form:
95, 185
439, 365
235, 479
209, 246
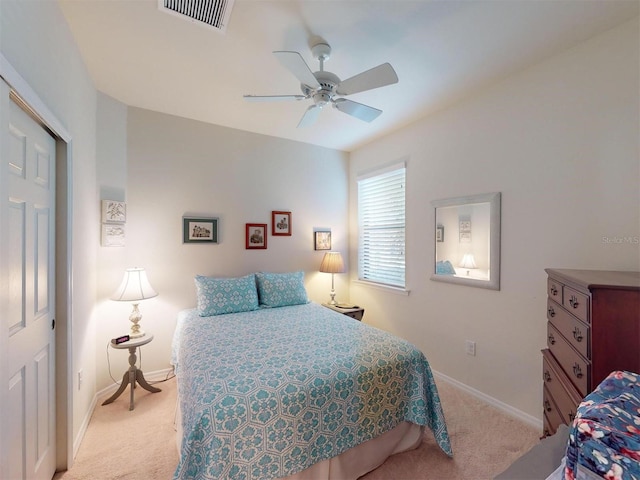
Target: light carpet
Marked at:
141, 444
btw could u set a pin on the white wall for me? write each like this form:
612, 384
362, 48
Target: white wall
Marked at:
111, 153
34, 38
182, 167
560, 141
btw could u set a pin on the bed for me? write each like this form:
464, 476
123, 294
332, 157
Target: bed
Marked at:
603, 440
278, 387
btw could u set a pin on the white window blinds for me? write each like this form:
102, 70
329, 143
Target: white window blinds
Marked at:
381, 226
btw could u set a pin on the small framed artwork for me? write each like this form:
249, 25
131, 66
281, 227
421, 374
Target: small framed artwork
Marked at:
112, 235
280, 223
114, 212
199, 230
465, 230
322, 240
440, 233
256, 235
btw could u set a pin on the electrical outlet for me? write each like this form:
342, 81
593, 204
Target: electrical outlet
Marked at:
79, 379
470, 348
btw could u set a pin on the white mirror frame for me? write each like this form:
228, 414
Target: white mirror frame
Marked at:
494, 201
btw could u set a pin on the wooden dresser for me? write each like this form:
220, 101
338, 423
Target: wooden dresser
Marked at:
593, 328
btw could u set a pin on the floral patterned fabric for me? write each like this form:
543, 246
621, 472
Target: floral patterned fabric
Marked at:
267, 393
281, 289
604, 440
217, 296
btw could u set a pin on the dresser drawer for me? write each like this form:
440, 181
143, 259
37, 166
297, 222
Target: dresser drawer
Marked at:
547, 429
554, 289
550, 409
576, 332
577, 303
577, 369
562, 392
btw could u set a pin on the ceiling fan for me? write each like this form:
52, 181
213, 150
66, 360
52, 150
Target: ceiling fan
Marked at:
327, 88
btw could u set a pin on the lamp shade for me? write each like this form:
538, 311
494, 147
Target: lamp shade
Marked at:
332, 263
468, 261
135, 286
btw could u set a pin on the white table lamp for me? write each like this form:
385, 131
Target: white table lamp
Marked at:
134, 288
468, 262
332, 263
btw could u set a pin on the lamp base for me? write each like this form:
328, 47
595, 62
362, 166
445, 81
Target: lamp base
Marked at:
135, 317
333, 297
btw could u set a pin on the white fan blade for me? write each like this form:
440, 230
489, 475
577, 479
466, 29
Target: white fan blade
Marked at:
358, 110
379, 76
310, 116
294, 62
272, 98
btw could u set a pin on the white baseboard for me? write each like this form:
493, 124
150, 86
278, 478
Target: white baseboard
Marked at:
149, 376
508, 409
83, 428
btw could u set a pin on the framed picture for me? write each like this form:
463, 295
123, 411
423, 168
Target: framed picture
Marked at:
322, 240
440, 233
465, 230
280, 223
199, 230
114, 212
112, 235
256, 235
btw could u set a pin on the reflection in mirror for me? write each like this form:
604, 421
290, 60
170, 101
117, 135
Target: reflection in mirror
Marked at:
467, 239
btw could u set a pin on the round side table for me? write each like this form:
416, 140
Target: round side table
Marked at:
134, 374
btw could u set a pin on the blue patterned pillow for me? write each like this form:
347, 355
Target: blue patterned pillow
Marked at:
281, 289
445, 268
217, 296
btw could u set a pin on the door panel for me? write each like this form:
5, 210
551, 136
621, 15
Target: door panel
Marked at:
27, 264
16, 265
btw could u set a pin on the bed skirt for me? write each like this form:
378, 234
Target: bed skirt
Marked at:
356, 461
365, 457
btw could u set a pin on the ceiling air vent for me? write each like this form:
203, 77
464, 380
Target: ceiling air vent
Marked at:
211, 13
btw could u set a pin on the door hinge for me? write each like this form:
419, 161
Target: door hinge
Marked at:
53, 323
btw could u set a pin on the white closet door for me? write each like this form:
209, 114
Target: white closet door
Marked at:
27, 262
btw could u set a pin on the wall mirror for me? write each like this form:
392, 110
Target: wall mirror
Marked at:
467, 240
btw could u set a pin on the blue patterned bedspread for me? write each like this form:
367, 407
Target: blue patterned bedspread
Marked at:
604, 440
267, 393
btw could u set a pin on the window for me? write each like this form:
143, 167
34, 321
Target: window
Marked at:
381, 229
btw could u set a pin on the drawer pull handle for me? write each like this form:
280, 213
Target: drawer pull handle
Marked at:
573, 301
571, 416
577, 371
552, 340
546, 376
547, 406
552, 312
553, 290
577, 334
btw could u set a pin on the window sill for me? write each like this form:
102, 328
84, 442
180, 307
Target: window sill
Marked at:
382, 286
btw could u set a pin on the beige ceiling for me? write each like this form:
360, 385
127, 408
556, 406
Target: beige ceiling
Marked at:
442, 51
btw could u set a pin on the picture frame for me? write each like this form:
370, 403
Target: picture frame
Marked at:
199, 230
255, 236
465, 230
322, 240
280, 223
113, 235
114, 211
440, 233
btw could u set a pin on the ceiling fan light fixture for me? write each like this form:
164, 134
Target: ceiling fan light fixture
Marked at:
326, 87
